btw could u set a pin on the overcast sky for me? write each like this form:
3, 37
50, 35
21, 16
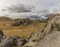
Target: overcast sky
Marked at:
39, 4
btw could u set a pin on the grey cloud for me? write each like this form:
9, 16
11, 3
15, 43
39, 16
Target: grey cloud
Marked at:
18, 8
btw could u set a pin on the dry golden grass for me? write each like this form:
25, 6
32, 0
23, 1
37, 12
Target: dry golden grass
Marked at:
22, 30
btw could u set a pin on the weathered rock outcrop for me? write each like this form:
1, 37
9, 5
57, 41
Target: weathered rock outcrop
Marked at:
7, 42
22, 22
12, 41
17, 23
1, 35
53, 26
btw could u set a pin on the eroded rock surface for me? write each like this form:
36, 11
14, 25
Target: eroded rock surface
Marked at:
49, 36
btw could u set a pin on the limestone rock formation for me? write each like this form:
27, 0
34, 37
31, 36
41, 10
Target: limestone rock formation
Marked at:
22, 22
17, 23
7, 42
49, 36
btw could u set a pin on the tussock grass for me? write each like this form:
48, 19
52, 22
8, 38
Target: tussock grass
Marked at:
22, 30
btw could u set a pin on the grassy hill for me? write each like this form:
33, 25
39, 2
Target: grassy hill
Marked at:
22, 30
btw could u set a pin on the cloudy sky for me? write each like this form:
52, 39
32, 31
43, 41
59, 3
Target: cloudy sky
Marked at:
38, 4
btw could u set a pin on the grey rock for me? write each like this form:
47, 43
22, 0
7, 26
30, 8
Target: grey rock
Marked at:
8, 42
22, 22
17, 23
21, 42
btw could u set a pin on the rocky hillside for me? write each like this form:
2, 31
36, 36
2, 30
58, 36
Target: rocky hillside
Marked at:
16, 32
20, 27
49, 36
